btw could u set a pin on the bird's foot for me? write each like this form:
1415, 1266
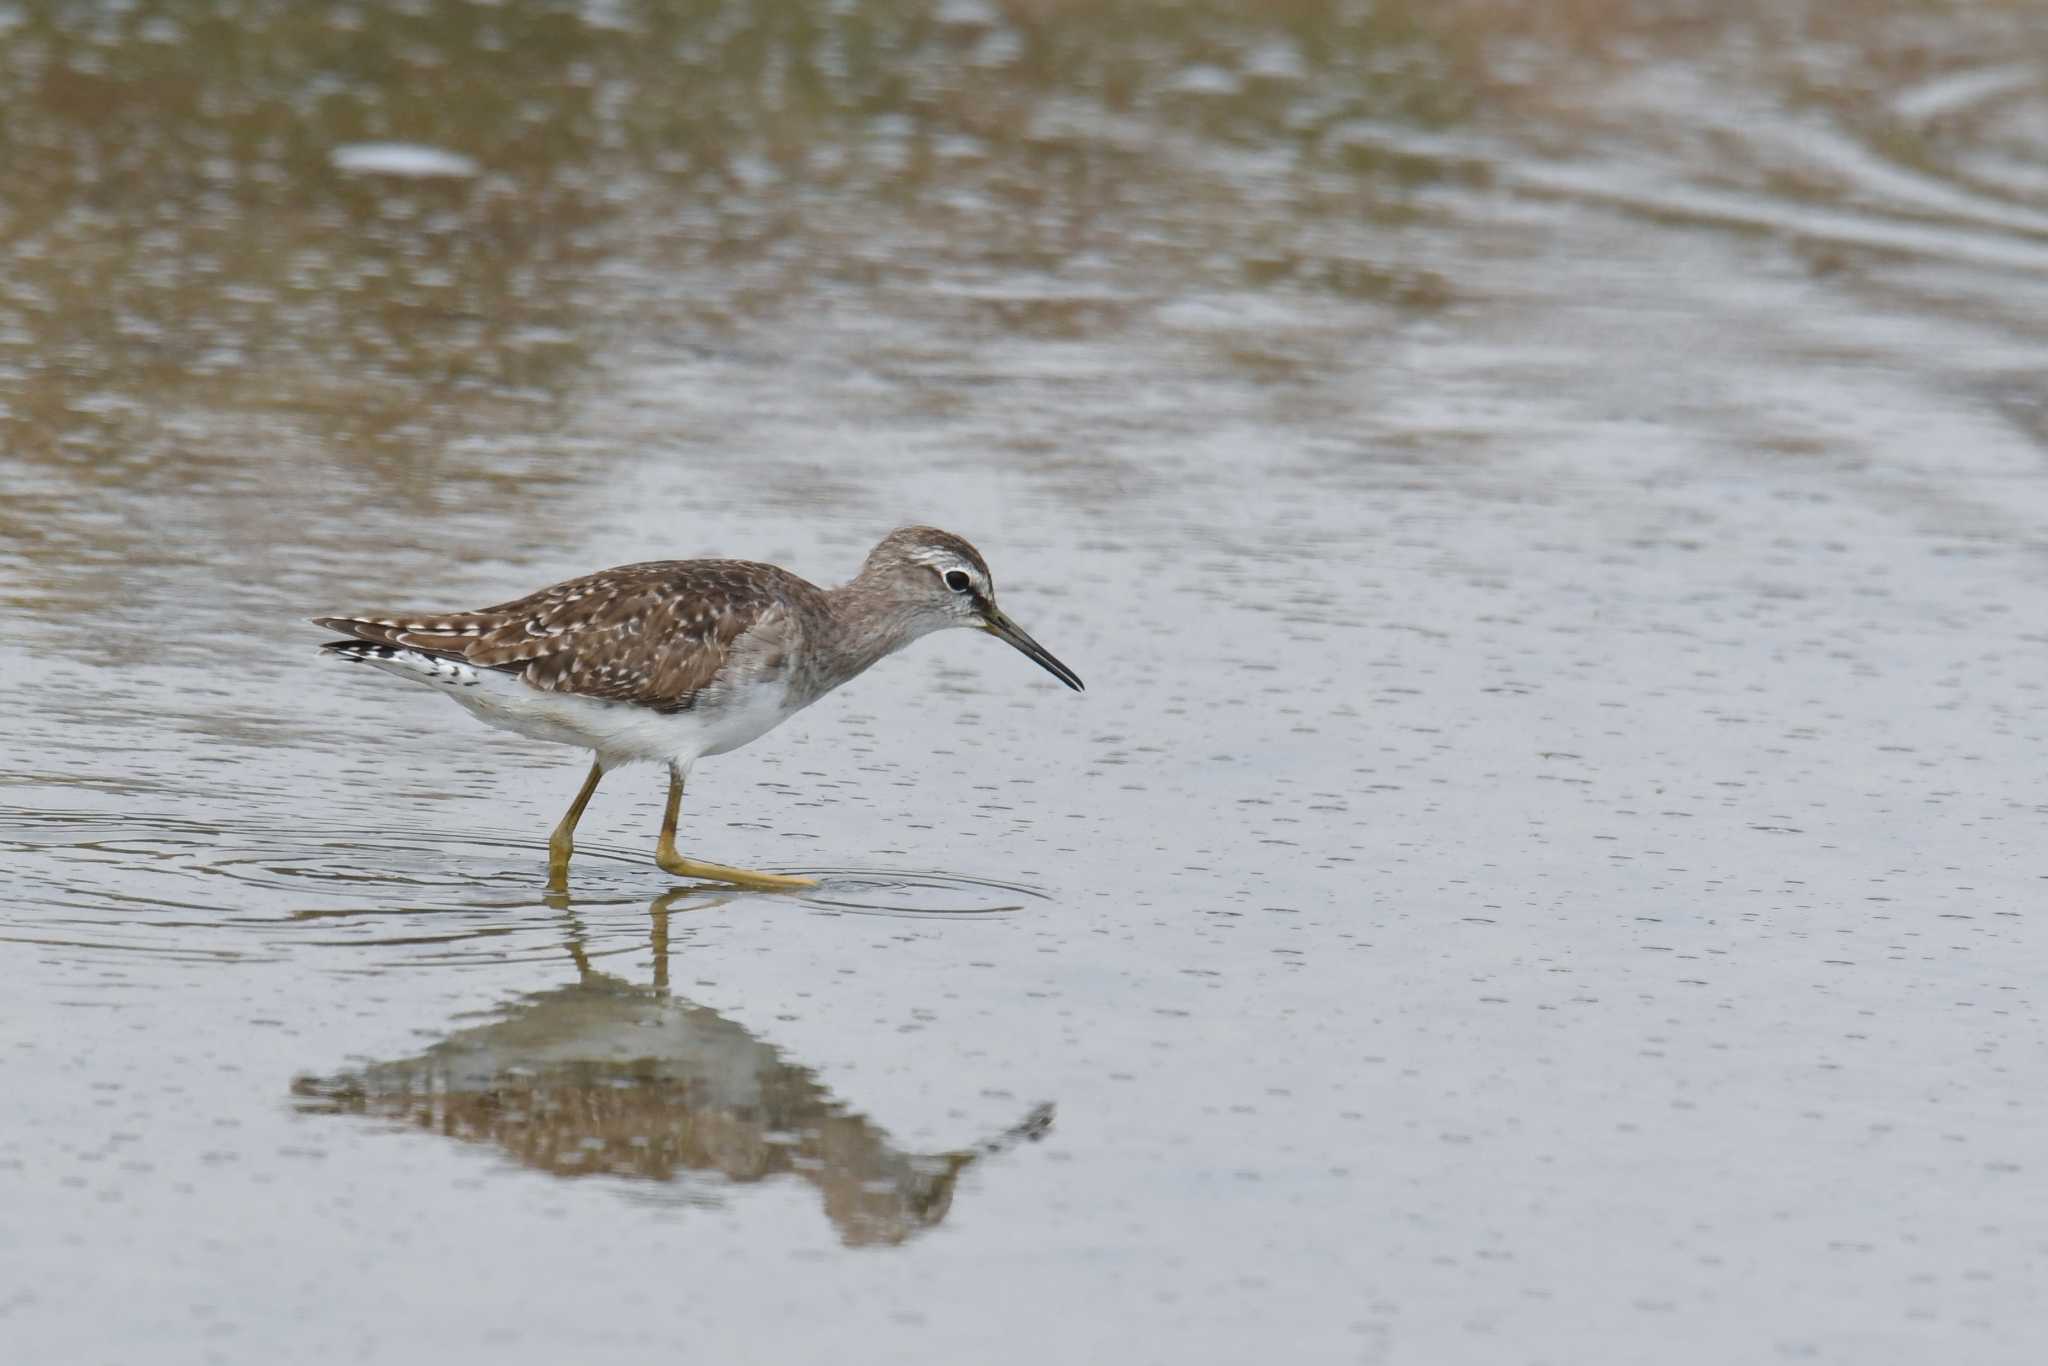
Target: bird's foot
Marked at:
672, 862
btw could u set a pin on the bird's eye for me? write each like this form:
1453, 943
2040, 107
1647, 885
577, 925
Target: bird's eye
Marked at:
957, 580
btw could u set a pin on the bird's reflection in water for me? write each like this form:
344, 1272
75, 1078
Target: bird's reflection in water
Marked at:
603, 1077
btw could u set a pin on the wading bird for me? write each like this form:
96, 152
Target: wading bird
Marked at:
672, 660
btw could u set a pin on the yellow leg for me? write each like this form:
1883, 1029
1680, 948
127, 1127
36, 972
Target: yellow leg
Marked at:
672, 862
562, 843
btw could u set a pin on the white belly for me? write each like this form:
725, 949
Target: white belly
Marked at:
619, 732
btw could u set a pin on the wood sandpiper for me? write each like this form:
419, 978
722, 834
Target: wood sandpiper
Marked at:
673, 660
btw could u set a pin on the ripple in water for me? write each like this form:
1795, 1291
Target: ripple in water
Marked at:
244, 891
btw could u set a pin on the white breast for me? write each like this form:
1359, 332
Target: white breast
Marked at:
747, 716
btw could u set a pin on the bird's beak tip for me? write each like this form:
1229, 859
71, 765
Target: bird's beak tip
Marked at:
1001, 627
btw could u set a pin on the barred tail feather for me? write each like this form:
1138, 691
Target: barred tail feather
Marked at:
421, 666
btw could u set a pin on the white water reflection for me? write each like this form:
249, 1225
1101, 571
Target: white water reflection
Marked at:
404, 159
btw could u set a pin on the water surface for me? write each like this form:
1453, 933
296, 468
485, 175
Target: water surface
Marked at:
1548, 508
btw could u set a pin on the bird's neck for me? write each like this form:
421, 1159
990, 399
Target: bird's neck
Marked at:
869, 623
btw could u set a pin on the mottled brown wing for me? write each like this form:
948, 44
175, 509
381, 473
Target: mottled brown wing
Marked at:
654, 634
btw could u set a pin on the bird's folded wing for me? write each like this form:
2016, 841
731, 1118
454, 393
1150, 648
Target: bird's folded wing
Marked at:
655, 634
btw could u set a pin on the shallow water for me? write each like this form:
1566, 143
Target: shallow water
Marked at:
1549, 513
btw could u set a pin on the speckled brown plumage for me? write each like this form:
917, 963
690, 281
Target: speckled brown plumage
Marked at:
655, 634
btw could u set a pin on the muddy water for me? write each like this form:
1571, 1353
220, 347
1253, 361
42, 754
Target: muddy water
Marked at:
1549, 511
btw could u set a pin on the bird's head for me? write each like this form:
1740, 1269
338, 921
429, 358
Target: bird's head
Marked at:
941, 581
